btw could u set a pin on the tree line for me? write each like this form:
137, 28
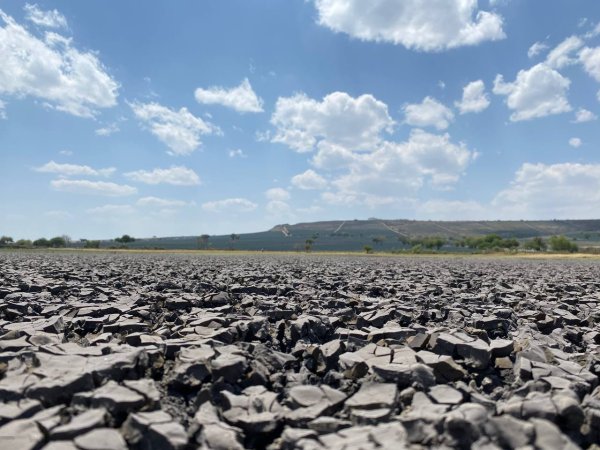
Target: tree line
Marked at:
487, 242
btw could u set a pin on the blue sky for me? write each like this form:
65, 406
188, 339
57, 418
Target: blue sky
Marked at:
156, 118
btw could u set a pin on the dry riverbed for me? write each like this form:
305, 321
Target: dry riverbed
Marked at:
178, 351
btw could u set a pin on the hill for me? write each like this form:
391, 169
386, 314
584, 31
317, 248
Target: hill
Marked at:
382, 235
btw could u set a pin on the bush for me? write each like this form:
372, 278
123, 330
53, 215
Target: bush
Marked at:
562, 244
23, 243
368, 249
57, 242
125, 239
92, 244
488, 242
41, 242
537, 244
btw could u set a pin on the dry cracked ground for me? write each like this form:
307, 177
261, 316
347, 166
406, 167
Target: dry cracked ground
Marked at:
116, 351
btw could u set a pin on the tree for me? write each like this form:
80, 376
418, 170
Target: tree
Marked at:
23, 243
5, 240
234, 237
378, 240
308, 244
488, 242
203, 241
92, 244
368, 249
41, 242
57, 242
537, 244
125, 239
562, 244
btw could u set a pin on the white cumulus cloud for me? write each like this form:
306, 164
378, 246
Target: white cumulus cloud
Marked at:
552, 191
107, 130
53, 70
561, 55
339, 119
277, 194
590, 58
474, 99
536, 49
174, 175
428, 113
231, 205
583, 115
241, 98
160, 202
575, 142
397, 169
2, 110
93, 187
74, 169
309, 180
179, 130
47, 19
537, 92
433, 25
237, 153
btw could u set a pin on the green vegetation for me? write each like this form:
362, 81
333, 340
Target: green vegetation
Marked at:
308, 244
368, 249
429, 242
203, 242
91, 244
537, 244
125, 239
55, 242
382, 236
488, 242
562, 244
378, 240
41, 242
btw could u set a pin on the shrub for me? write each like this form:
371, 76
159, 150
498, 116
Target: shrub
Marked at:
57, 242
562, 244
368, 249
92, 244
41, 242
125, 239
488, 242
537, 244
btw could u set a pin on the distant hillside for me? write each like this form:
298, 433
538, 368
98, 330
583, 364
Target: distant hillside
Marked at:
382, 235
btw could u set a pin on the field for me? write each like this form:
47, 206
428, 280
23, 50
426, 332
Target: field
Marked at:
389, 235
297, 351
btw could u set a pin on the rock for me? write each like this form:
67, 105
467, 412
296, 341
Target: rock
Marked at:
101, 439
373, 396
229, 366
80, 424
476, 351
215, 434
445, 395
112, 396
510, 432
444, 368
406, 375
21, 434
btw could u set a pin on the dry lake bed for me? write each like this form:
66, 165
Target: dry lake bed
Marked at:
178, 351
